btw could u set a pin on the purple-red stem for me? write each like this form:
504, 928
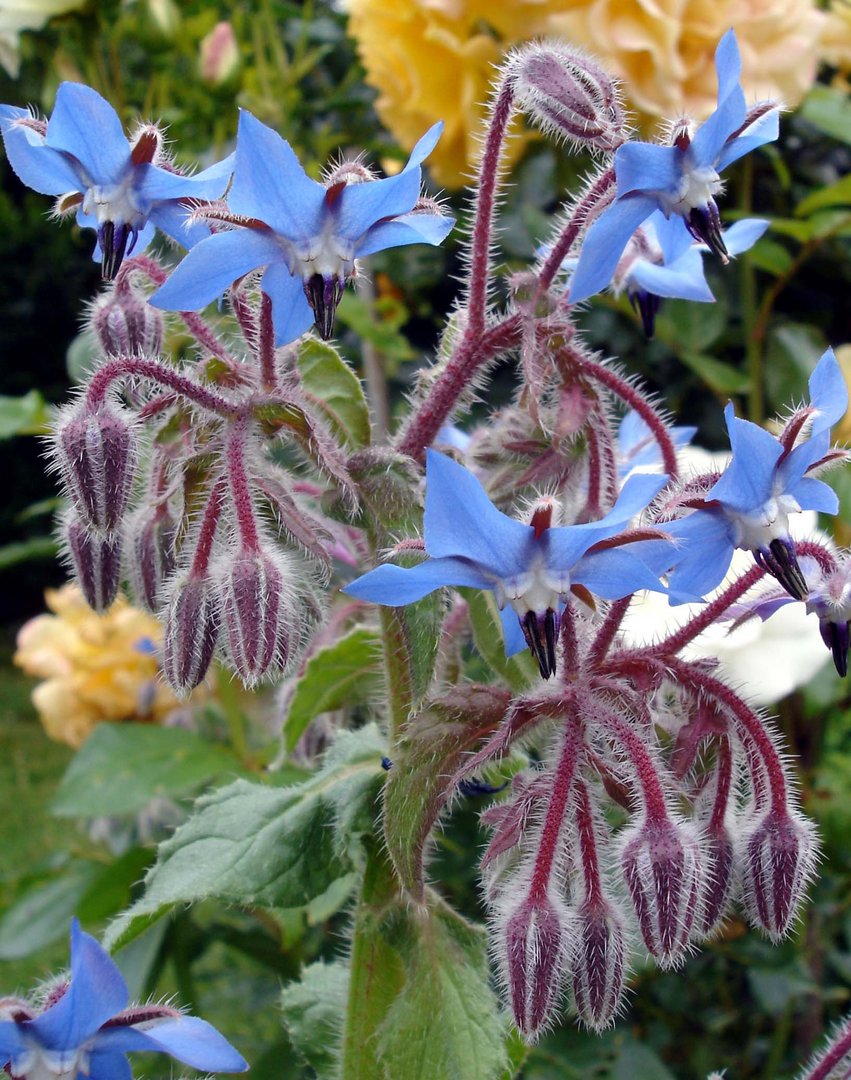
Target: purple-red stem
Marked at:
565, 771
239, 485
207, 533
569, 643
655, 806
824, 1069
266, 345
606, 633
561, 249
822, 555
588, 848
124, 366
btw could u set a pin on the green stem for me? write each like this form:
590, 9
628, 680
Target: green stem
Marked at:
398, 671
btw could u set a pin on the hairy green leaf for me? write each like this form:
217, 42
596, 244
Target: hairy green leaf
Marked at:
313, 1009
335, 391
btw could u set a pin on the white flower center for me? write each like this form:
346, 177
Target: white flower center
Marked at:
538, 590
754, 532
328, 254
118, 203
696, 188
40, 1064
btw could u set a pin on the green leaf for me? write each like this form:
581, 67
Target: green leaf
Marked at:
379, 323
27, 415
313, 1011
431, 750
792, 351
771, 256
692, 328
336, 391
826, 108
38, 548
517, 671
250, 843
345, 672
635, 1061
720, 377
121, 767
82, 356
838, 194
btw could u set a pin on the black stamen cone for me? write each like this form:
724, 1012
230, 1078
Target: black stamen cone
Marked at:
780, 560
113, 245
541, 632
647, 306
837, 637
704, 224
323, 294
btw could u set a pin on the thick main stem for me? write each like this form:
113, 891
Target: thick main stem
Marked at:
207, 532
563, 782
239, 485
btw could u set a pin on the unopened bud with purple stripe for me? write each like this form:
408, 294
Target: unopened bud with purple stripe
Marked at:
152, 533
96, 561
125, 323
568, 95
191, 632
663, 871
259, 619
777, 858
95, 451
598, 967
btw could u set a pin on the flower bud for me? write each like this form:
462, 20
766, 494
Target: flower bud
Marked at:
536, 937
96, 454
662, 867
191, 632
598, 967
256, 613
96, 560
219, 55
777, 858
152, 535
717, 881
568, 95
126, 324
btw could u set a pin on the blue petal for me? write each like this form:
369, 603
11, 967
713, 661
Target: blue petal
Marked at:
213, 266
828, 393
704, 557
748, 480
672, 234
395, 586
616, 572
461, 520
270, 184
11, 1041
408, 229
512, 631
186, 1038
813, 494
793, 467
44, 170
292, 316
683, 279
645, 167
604, 243
764, 130
744, 234
363, 205
710, 139
87, 127
728, 64
173, 219
109, 1066
97, 992
154, 183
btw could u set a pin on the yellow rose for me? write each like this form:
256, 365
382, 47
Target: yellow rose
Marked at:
96, 667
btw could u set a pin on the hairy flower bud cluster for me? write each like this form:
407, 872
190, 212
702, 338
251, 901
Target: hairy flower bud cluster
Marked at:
125, 324
778, 853
568, 95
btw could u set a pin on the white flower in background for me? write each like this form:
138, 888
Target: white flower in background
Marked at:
19, 15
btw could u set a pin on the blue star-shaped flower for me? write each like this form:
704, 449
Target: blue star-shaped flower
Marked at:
681, 179
87, 1032
531, 568
764, 483
307, 235
118, 188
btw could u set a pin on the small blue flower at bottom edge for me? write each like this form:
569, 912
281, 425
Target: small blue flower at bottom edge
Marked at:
530, 568
87, 1028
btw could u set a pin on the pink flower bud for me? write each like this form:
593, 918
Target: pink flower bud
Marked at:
776, 858
536, 940
125, 323
96, 454
662, 867
219, 55
257, 616
717, 880
599, 963
96, 560
191, 632
568, 95
152, 535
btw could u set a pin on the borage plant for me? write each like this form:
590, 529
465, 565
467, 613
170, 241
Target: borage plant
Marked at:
240, 492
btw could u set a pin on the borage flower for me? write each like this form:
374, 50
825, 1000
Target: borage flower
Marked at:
122, 189
768, 479
87, 1029
681, 179
531, 568
305, 234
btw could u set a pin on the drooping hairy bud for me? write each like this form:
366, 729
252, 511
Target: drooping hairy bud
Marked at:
662, 867
126, 324
254, 591
777, 857
96, 453
568, 95
152, 536
599, 962
191, 632
96, 560
536, 940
